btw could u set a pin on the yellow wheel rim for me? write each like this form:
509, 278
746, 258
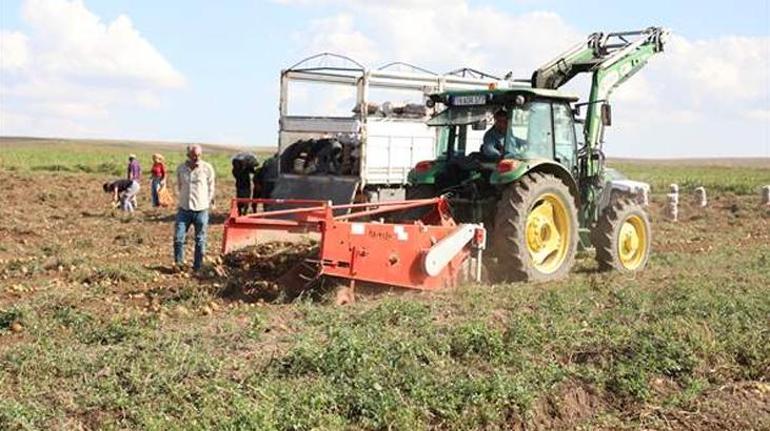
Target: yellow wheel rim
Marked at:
548, 233
632, 242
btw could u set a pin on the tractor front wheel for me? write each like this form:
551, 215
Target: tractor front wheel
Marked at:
622, 237
536, 230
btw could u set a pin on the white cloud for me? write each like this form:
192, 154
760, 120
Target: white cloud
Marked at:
691, 100
14, 50
333, 33
708, 96
440, 35
437, 35
759, 114
68, 66
728, 73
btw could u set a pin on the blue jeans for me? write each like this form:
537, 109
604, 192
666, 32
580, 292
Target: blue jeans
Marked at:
185, 218
154, 188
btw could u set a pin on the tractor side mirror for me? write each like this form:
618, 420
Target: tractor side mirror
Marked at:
479, 125
606, 114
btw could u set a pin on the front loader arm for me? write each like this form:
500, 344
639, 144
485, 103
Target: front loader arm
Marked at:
578, 59
620, 60
611, 58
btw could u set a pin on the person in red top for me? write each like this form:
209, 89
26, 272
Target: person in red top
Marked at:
158, 173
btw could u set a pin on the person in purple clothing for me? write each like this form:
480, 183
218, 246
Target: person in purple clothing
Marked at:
134, 170
134, 173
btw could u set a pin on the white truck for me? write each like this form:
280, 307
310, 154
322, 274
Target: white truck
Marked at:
373, 147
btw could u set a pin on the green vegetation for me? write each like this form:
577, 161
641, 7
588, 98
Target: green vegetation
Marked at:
465, 359
724, 179
98, 157
95, 334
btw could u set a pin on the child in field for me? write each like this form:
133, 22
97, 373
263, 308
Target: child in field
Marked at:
123, 192
158, 173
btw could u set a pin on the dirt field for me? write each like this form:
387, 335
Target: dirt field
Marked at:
96, 331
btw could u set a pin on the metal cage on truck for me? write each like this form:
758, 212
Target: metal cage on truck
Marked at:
384, 147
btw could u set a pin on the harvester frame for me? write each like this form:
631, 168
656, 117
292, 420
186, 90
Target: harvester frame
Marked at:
429, 254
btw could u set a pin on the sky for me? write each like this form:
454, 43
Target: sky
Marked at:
203, 71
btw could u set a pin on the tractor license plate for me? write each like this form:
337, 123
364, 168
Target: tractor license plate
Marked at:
471, 100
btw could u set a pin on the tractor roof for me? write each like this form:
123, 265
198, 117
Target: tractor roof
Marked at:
501, 93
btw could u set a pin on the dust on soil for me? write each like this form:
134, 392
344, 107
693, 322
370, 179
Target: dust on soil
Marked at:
57, 231
569, 405
736, 406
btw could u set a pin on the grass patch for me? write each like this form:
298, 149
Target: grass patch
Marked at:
107, 158
7, 317
716, 179
112, 274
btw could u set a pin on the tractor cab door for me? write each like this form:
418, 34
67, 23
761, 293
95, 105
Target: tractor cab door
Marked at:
452, 141
565, 142
543, 129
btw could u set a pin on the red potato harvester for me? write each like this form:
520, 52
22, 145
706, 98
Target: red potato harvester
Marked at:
426, 254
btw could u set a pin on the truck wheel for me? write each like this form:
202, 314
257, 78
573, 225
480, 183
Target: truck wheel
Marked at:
622, 237
536, 230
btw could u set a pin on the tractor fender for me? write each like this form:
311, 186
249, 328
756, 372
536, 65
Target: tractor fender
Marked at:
544, 166
426, 176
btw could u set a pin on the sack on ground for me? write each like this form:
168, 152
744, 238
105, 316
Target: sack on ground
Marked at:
164, 197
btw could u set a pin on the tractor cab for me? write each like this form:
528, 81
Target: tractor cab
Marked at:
539, 130
538, 127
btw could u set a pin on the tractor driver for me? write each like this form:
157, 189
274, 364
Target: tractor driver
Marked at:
493, 146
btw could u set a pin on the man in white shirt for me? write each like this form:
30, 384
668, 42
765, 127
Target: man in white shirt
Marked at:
195, 187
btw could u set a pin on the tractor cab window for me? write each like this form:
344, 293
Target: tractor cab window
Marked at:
462, 115
456, 134
465, 140
530, 134
564, 135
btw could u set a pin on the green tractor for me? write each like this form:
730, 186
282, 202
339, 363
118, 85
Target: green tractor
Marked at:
545, 193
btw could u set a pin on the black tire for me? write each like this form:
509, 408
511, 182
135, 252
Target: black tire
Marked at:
418, 191
508, 240
606, 236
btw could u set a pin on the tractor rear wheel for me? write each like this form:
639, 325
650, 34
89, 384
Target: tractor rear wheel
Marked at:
535, 234
622, 237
